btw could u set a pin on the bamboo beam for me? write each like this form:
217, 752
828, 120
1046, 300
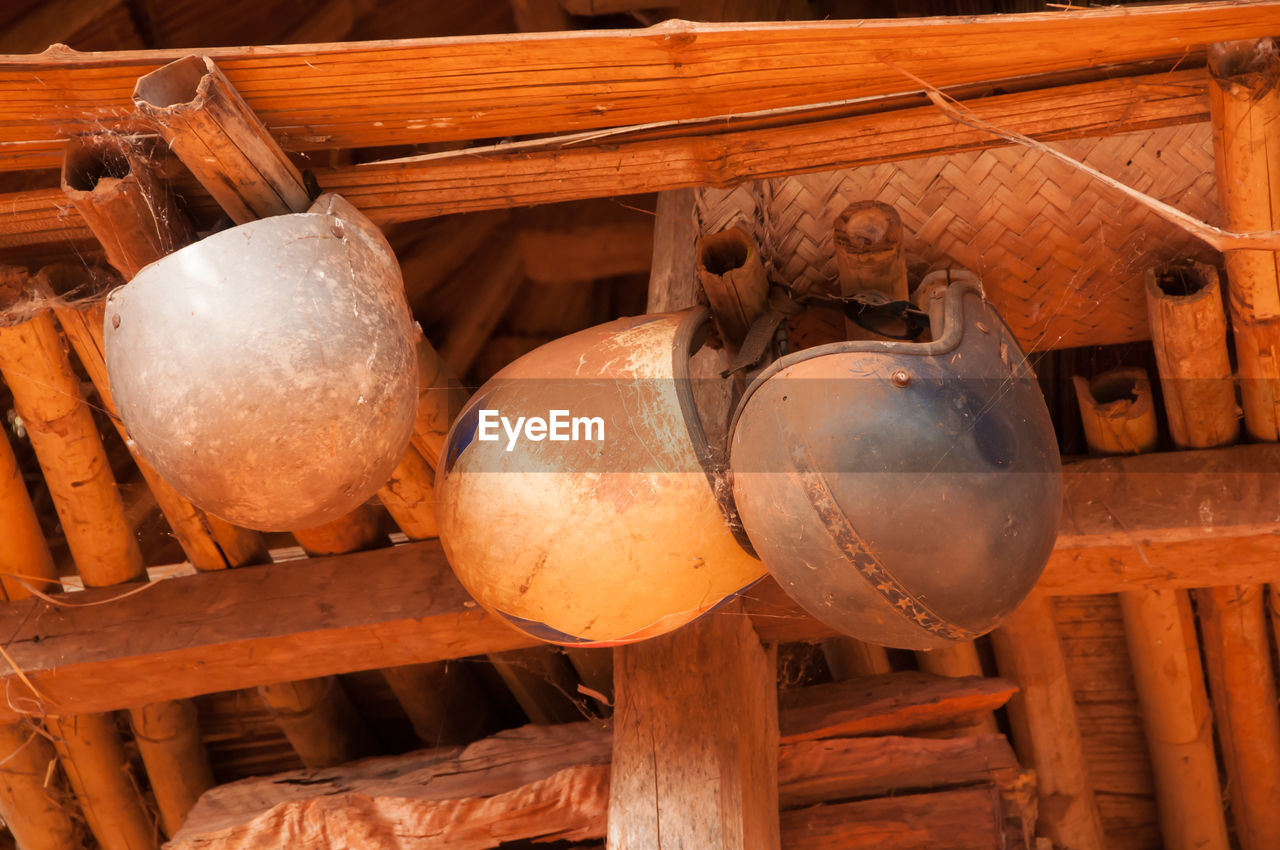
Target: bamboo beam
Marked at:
93, 756
1244, 97
522, 84
1045, 725
1119, 418
695, 740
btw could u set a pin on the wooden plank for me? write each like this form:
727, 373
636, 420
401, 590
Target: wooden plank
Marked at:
695, 746
406, 92
964, 819
812, 772
892, 702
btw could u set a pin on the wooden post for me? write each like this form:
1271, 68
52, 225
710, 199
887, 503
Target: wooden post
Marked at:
733, 278
695, 741
1046, 728
1244, 100
95, 761
1119, 416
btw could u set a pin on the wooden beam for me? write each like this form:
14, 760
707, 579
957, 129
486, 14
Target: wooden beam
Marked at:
892, 702
1128, 523
963, 819
695, 741
496, 86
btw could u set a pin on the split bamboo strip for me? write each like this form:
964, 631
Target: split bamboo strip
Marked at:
1244, 96
1118, 412
504, 85
25, 552
721, 153
1119, 417
91, 753
39, 817
118, 195
46, 394
1045, 725
1189, 332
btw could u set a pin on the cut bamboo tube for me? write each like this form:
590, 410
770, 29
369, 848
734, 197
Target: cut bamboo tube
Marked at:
1120, 418
168, 736
868, 242
212, 130
1118, 413
1189, 333
98, 768
1244, 101
733, 278
1045, 724
46, 394
39, 817
319, 720
25, 552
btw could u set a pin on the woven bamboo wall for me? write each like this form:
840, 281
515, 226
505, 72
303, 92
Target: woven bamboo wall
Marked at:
1061, 256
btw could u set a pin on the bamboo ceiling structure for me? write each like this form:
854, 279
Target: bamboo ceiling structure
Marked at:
1118, 707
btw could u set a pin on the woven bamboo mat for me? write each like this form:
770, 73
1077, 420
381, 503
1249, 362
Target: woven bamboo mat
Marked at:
1061, 257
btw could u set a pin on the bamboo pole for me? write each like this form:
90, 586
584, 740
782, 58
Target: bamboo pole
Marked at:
39, 815
733, 278
1189, 333
46, 394
1046, 726
173, 752
1119, 416
319, 720
850, 658
1244, 100
24, 552
33, 802
134, 219
93, 756
957, 661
